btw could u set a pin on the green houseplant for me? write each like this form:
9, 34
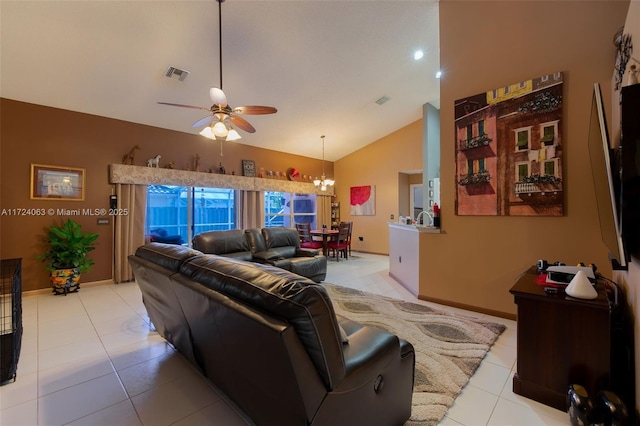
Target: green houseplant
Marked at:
66, 258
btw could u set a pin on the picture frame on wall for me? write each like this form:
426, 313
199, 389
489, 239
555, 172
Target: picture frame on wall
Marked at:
248, 168
57, 183
362, 200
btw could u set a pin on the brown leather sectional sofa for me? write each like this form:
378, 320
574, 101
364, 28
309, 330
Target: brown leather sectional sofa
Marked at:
271, 341
274, 246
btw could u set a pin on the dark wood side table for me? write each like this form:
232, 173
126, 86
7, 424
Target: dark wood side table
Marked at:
561, 341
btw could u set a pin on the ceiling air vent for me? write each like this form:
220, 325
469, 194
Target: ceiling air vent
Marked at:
176, 73
382, 100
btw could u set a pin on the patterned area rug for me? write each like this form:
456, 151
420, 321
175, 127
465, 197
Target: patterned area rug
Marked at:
448, 347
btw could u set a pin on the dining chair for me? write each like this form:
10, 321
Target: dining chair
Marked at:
306, 240
349, 237
339, 245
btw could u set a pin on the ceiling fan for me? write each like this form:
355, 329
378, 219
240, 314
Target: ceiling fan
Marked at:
222, 117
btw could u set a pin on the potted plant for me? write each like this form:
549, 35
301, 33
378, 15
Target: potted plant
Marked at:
66, 259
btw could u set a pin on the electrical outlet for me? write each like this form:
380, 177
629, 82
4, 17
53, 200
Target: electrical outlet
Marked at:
360, 238
392, 217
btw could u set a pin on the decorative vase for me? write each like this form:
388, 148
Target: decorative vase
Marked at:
65, 280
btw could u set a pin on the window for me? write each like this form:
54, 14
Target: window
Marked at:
469, 168
469, 132
213, 209
522, 138
182, 211
481, 166
550, 168
480, 127
286, 209
523, 171
548, 132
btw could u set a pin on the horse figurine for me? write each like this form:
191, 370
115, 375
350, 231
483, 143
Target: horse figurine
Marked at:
129, 158
154, 162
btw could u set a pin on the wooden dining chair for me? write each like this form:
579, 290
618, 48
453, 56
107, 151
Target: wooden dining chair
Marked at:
306, 240
339, 245
349, 237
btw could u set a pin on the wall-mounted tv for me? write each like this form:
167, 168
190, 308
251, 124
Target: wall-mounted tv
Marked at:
606, 180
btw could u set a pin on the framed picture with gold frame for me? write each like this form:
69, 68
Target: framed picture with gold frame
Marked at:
57, 183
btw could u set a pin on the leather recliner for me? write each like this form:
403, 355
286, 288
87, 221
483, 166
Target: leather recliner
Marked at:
271, 341
278, 246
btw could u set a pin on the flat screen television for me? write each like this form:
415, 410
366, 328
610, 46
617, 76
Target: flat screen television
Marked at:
606, 180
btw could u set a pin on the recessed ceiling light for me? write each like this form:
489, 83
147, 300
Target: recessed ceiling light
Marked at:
418, 54
438, 74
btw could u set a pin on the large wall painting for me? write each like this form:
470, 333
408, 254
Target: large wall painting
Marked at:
509, 150
362, 201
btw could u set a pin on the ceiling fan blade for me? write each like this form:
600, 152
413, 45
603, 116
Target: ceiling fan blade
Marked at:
218, 97
242, 123
204, 121
185, 106
255, 110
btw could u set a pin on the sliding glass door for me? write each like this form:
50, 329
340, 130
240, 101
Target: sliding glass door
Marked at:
176, 213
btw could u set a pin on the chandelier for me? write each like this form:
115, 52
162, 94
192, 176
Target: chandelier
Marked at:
323, 182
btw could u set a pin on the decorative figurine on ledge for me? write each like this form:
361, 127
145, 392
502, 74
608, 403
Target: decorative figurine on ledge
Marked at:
221, 169
197, 162
154, 162
129, 158
170, 165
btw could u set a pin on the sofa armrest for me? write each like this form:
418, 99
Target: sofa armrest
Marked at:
267, 255
369, 351
306, 252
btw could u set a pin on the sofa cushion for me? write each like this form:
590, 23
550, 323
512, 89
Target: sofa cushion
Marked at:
255, 239
281, 237
230, 243
282, 294
169, 256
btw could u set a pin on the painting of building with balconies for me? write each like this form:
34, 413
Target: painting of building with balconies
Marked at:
509, 150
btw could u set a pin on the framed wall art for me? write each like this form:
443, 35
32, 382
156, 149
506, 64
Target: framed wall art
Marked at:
509, 150
248, 168
57, 183
362, 201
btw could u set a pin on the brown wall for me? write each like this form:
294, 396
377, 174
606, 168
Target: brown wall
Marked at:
37, 134
529, 39
485, 45
378, 164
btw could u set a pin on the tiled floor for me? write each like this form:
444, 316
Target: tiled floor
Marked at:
91, 358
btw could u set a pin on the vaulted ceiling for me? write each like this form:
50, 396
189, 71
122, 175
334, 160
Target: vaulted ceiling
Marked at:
323, 64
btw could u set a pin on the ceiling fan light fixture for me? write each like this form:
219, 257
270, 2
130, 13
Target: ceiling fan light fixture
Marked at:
220, 130
233, 135
222, 116
207, 133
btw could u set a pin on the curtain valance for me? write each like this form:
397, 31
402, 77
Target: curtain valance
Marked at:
139, 175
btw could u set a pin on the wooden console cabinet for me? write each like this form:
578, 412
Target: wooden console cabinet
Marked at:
561, 341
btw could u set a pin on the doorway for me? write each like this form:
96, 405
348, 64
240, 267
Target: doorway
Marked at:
416, 200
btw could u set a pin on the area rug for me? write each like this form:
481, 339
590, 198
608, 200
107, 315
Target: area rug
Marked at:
448, 347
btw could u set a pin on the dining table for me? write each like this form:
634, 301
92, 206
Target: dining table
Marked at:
326, 235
